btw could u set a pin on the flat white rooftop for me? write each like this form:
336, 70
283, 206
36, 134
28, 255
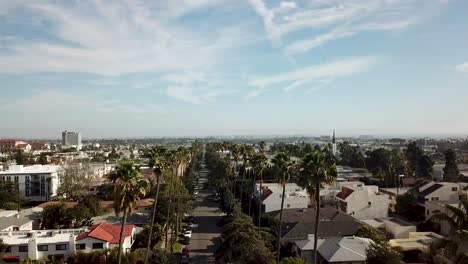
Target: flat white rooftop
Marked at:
20, 169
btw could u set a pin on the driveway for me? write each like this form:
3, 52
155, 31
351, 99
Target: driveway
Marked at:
206, 234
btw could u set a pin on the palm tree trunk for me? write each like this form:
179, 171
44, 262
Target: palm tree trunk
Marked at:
253, 191
279, 224
317, 220
242, 186
122, 232
260, 200
169, 208
148, 247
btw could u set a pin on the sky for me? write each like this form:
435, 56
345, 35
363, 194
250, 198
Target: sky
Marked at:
134, 68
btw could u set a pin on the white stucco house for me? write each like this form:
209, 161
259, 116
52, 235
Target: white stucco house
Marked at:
38, 244
365, 202
295, 196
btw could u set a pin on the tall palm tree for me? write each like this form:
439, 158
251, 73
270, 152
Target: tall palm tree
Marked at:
259, 163
159, 164
316, 170
284, 164
246, 151
129, 187
457, 217
235, 152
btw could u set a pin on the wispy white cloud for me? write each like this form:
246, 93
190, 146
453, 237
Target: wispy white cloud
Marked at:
462, 67
336, 19
118, 37
328, 71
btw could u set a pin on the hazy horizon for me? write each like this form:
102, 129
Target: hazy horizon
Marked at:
219, 67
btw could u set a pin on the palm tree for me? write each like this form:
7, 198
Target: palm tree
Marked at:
259, 162
235, 152
284, 164
316, 170
159, 164
457, 217
246, 151
129, 187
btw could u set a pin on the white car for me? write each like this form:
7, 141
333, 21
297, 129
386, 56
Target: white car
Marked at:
188, 234
195, 192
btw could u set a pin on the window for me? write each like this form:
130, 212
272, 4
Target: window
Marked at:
454, 189
80, 246
42, 248
8, 250
23, 248
61, 247
98, 245
288, 205
434, 198
369, 203
27, 190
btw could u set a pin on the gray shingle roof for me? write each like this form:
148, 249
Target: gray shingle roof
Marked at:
299, 231
6, 222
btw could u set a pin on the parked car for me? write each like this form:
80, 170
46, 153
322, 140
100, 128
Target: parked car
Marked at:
188, 234
195, 192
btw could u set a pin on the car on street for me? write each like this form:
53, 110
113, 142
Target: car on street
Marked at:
195, 192
188, 234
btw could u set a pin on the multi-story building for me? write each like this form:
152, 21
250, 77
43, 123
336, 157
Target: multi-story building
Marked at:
62, 243
9, 144
365, 202
71, 139
295, 196
37, 182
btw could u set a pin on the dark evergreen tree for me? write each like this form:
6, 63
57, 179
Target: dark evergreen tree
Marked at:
451, 171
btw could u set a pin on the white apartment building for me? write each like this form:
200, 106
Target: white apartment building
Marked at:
440, 191
36, 183
295, 196
365, 202
62, 243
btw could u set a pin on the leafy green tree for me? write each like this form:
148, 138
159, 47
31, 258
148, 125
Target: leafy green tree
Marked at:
316, 170
382, 254
75, 181
387, 165
3, 247
284, 164
451, 172
368, 231
413, 155
20, 157
152, 235
292, 260
242, 244
158, 256
129, 187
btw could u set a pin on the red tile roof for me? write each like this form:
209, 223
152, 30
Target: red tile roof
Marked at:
266, 192
8, 140
345, 192
107, 232
22, 145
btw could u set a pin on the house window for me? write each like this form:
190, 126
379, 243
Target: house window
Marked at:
98, 245
369, 203
434, 198
42, 248
80, 246
288, 205
454, 189
23, 248
8, 250
27, 190
61, 247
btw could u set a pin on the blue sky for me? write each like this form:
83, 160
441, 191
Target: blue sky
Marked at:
220, 67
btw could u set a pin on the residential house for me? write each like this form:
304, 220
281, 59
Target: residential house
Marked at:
337, 250
62, 243
15, 224
105, 236
295, 196
394, 227
416, 241
393, 193
365, 202
299, 223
